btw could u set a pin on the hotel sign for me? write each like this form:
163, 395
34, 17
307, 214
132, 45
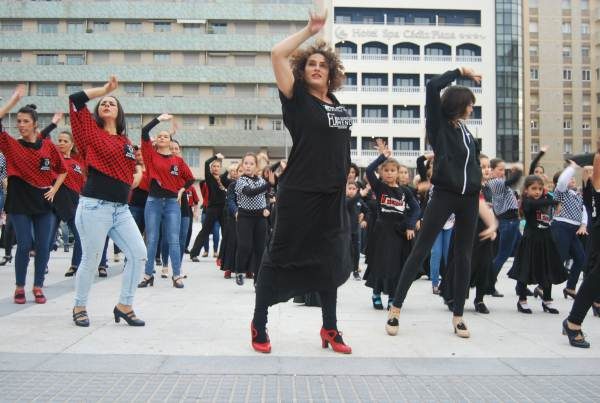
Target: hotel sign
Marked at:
343, 33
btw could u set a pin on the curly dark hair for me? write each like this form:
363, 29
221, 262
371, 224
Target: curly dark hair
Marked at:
336, 69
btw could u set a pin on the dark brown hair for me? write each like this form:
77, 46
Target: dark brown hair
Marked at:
455, 101
120, 122
31, 111
336, 69
74, 148
495, 162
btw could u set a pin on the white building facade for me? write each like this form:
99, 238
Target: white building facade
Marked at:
391, 48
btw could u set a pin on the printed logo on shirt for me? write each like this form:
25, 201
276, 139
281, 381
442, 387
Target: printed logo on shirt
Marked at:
543, 218
77, 168
175, 170
337, 117
392, 205
129, 152
44, 164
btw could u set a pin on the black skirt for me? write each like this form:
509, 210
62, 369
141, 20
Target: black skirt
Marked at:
389, 251
537, 260
309, 247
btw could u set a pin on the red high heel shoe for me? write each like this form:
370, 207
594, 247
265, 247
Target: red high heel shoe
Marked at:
328, 337
260, 347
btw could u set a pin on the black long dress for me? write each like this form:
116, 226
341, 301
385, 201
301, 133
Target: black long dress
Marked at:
537, 260
308, 248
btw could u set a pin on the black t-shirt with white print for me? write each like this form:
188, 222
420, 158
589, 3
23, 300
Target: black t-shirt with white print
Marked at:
320, 156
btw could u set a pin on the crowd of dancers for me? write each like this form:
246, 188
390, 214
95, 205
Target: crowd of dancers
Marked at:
297, 228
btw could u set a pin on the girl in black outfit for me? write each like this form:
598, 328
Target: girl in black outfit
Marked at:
308, 249
217, 188
537, 260
457, 180
589, 291
395, 226
251, 192
228, 248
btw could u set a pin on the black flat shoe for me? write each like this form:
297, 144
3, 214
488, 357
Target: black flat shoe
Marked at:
5, 260
239, 279
576, 337
548, 308
81, 318
481, 308
146, 281
129, 317
496, 294
71, 272
194, 259
523, 310
102, 271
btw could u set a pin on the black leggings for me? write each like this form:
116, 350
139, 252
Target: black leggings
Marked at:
589, 292
264, 298
522, 291
442, 204
213, 214
251, 233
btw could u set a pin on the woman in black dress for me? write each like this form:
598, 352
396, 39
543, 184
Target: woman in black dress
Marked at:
308, 249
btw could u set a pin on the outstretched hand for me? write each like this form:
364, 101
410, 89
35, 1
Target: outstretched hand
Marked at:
111, 85
57, 117
382, 147
164, 117
19, 93
470, 73
316, 21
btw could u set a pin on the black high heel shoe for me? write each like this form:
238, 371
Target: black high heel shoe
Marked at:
177, 282
568, 293
548, 308
129, 317
81, 318
576, 337
538, 292
5, 260
523, 310
146, 282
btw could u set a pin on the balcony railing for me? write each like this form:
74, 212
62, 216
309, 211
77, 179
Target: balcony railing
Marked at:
350, 88
406, 58
475, 90
468, 59
349, 56
438, 58
375, 121
364, 157
374, 88
412, 90
374, 56
407, 121
474, 122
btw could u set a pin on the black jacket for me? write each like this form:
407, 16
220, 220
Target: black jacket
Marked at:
456, 167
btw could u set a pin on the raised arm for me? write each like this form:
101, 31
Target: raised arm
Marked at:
13, 100
515, 176
282, 51
111, 85
565, 177
537, 159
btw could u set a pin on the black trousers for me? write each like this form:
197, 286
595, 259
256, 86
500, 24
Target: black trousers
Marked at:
251, 234
589, 292
522, 291
354, 247
442, 204
213, 214
9, 236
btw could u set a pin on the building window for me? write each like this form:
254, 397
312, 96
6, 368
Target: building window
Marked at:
567, 75
75, 59
47, 60
11, 25
566, 52
217, 89
133, 26
587, 147
191, 156
585, 52
10, 57
134, 89
245, 60
217, 28
190, 90
586, 75
406, 144
533, 3
245, 91
533, 27
133, 122
565, 4
100, 57
47, 90
568, 147
161, 90
586, 125
72, 88
75, 27
535, 147
585, 4
586, 100
162, 57
101, 26
534, 124
277, 124
162, 27
534, 74
217, 60
248, 124
133, 57
48, 27
191, 59
566, 27
567, 124
192, 28
567, 99
216, 121
534, 50
585, 29
190, 121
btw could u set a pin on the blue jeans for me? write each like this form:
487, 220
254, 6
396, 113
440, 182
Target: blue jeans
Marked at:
508, 237
215, 234
168, 211
95, 219
183, 232
42, 225
2, 199
76, 256
569, 245
138, 215
440, 249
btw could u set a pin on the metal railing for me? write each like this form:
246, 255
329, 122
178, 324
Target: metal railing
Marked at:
406, 58
438, 58
407, 121
374, 88
468, 59
374, 121
374, 56
412, 89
